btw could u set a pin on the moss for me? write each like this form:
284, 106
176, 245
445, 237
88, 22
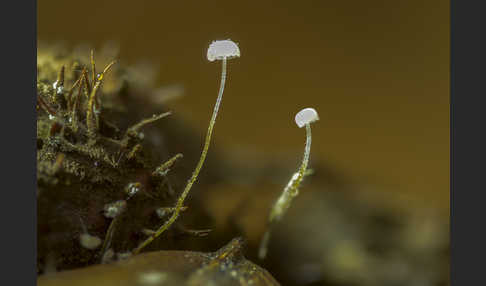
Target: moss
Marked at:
90, 147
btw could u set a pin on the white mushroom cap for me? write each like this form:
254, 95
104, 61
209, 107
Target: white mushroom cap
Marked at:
306, 115
219, 50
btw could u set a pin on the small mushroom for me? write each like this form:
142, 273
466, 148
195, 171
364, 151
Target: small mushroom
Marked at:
303, 118
306, 116
218, 50
225, 49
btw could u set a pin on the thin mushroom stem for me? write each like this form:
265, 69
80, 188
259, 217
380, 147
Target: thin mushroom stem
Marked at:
291, 190
190, 182
308, 143
295, 182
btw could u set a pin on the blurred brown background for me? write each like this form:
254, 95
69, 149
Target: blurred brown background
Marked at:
376, 71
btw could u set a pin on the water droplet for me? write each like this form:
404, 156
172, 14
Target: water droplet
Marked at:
114, 209
132, 189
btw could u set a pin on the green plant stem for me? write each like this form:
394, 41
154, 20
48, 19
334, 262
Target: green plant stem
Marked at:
193, 178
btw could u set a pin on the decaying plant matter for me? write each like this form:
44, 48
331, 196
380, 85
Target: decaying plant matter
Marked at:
99, 178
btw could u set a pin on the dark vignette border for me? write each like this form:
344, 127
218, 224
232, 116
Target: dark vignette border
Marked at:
18, 133
468, 116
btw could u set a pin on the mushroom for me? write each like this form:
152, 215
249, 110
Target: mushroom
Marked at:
303, 118
306, 116
222, 50
218, 50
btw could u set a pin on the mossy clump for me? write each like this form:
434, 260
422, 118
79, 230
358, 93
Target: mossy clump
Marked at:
92, 153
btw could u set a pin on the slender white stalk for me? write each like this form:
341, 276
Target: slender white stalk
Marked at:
308, 143
207, 141
290, 191
292, 188
193, 178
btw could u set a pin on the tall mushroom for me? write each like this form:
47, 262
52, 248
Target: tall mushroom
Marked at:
218, 50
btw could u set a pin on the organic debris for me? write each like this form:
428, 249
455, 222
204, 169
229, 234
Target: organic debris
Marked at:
94, 162
226, 266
